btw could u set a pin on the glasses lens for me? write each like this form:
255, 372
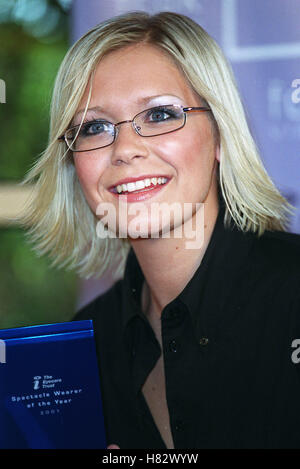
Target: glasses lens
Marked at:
159, 120
91, 135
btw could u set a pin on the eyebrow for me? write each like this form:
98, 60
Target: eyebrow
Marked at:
145, 100
81, 111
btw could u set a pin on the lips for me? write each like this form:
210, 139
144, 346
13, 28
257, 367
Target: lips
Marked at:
127, 180
140, 195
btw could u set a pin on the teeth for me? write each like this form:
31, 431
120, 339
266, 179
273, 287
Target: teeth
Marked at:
138, 185
131, 187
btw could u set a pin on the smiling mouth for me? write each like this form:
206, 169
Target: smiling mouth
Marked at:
147, 189
144, 185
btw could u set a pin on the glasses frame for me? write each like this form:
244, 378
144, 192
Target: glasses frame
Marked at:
135, 128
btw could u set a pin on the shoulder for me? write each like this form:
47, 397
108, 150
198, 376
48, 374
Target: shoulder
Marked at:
280, 251
274, 264
263, 269
266, 281
290, 241
108, 302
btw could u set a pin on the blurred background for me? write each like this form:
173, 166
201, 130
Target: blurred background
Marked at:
262, 42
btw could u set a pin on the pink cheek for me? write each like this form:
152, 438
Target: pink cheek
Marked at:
87, 172
88, 176
171, 150
180, 151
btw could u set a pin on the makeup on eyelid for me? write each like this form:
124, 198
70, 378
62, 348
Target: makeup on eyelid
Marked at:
97, 112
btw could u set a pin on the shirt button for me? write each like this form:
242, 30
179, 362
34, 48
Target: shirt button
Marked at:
173, 346
178, 425
203, 341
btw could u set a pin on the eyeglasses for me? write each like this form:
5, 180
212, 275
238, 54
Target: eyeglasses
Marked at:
100, 133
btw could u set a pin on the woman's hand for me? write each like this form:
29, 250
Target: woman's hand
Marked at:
113, 447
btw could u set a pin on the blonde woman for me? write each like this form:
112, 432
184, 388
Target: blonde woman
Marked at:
196, 341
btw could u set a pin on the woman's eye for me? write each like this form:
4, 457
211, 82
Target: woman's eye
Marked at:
160, 115
93, 128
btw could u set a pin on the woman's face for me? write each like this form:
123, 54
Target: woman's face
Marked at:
126, 82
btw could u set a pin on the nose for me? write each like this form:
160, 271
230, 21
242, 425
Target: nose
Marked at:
128, 145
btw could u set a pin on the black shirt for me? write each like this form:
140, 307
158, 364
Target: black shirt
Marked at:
227, 339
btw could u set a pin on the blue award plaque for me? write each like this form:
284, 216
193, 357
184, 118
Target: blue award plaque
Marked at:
49, 388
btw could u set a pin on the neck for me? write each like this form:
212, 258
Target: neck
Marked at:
168, 265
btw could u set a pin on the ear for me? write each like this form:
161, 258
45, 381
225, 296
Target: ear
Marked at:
218, 153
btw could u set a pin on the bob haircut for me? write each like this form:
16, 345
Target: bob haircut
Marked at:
58, 218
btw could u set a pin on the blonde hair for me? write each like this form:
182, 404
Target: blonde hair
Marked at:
59, 220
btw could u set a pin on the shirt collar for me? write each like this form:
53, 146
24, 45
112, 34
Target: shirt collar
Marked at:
226, 252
